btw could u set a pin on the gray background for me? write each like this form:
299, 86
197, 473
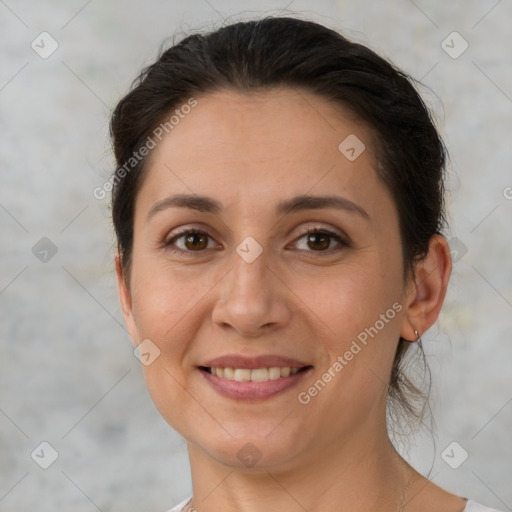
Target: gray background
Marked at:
68, 375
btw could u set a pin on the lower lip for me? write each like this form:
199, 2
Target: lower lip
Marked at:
253, 390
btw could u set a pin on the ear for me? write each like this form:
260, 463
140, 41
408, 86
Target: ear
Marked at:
125, 299
427, 290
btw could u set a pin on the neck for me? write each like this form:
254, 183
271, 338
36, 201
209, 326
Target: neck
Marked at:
337, 474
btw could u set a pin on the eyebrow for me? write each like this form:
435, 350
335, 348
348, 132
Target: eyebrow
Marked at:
303, 202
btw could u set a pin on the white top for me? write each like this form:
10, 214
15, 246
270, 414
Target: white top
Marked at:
471, 506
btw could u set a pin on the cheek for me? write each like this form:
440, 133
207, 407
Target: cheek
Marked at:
166, 309
347, 300
161, 297
358, 309
170, 306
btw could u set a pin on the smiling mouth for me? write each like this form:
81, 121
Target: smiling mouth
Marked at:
255, 374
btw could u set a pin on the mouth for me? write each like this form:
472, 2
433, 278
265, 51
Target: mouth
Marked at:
254, 375
253, 379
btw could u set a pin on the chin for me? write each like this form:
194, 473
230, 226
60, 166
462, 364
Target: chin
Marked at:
252, 448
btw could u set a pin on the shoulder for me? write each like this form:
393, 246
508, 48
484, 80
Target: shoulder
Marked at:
179, 506
473, 506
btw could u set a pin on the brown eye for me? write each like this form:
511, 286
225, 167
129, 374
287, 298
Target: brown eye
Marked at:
319, 240
191, 240
316, 240
196, 241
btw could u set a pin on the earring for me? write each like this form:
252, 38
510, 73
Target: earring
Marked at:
418, 338
418, 341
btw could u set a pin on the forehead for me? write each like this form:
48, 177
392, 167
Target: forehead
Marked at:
280, 118
265, 144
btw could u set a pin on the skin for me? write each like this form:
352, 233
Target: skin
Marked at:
250, 151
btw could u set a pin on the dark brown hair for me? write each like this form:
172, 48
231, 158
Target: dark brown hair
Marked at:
284, 51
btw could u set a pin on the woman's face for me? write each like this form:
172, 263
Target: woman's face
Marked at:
254, 291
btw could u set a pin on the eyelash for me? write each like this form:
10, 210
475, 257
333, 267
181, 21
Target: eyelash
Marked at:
191, 231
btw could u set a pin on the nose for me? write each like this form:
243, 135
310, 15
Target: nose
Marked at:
252, 299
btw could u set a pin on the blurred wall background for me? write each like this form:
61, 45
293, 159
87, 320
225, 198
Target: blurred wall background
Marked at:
68, 374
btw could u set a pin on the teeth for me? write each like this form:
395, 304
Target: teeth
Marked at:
274, 372
259, 375
241, 375
256, 375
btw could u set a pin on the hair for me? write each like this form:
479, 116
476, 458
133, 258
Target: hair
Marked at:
258, 55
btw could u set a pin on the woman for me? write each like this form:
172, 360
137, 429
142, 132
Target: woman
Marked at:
278, 206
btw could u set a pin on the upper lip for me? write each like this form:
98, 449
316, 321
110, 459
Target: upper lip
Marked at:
263, 361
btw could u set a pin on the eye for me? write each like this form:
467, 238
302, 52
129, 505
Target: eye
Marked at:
319, 240
194, 240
